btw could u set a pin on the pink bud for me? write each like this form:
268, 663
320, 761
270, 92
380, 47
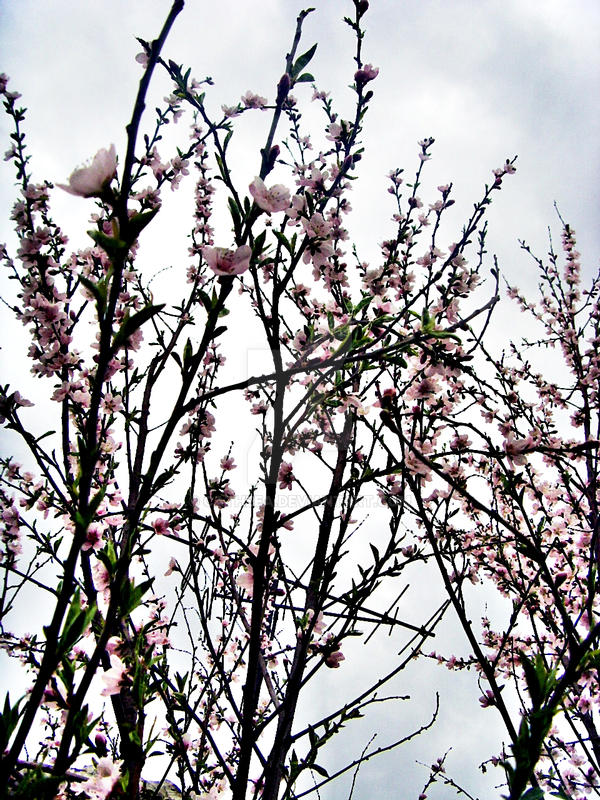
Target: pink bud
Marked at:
283, 87
366, 74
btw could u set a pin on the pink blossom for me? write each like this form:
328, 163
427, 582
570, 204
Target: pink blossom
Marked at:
487, 699
112, 402
207, 426
101, 576
245, 580
333, 659
251, 100
334, 132
113, 644
91, 180
100, 785
113, 678
142, 58
286, 476
272, 200
516, 448
227, 262
161, 526
93, 538
231, 111
22, 402
220, 493
172, 566
319, 625
366, 74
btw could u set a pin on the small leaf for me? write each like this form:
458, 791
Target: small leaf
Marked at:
283, 241
131, 324
535, 793
111, 246
138, 222
98, 290
131, 595
188, 351
258, 245
8, 721
236, 217
302, 61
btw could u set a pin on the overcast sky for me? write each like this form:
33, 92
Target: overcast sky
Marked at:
489, 79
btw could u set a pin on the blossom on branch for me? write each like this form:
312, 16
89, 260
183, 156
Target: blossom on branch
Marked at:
101, 785
285, 476
245, 580
227, 262
114, 677
91, 180
272, 200
333, 659
252, 100
516, 449
366, 74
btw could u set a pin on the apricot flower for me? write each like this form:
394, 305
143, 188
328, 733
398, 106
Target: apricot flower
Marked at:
272, 200
227, 262
91, 180
366, 74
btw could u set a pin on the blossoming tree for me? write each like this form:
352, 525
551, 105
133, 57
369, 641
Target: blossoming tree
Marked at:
186, 614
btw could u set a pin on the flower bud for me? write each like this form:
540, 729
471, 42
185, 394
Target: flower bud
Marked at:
366, 74
348, 163
272, 158
100, 742
283, 87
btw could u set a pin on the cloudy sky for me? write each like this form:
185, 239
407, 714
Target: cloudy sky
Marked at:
489, 79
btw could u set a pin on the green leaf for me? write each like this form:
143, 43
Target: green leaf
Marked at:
37, 783
188, 351
98, 290
131, 595
75, 624
108, 557
302, 61
306, 77
444, 335
535, 793
236, 217
400, 362
258, 245
8, 721
320, 770
112, 246
363, 304
138, 222
221, 166
283, 241
131, 324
